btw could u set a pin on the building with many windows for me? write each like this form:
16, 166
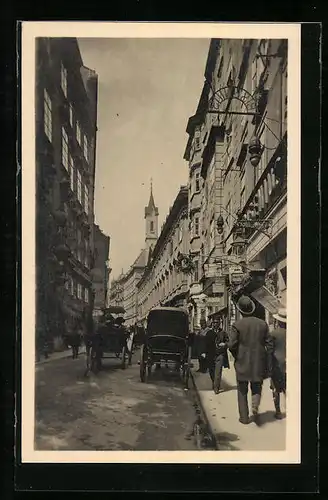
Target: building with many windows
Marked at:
238, 143
66, 116
124, 290
101, 270
163, 283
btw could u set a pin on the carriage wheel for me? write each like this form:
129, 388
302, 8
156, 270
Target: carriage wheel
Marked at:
186, 369
130, 358
96, 363
123, 365
143, 367
88, 362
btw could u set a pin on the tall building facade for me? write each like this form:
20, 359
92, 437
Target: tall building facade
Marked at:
238, 142
163, 283
66, 116
101, 270
124, 290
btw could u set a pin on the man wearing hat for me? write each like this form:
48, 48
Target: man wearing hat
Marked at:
249, 343
278, 371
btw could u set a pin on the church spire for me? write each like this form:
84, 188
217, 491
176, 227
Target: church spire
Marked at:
151, 209
151, 217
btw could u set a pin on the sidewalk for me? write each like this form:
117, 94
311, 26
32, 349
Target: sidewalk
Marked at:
222, 414
58, 355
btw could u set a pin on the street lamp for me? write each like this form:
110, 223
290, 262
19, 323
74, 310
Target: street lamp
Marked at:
220, 224
255, 149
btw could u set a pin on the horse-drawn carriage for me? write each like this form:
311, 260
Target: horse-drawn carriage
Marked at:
167, 338
107, 340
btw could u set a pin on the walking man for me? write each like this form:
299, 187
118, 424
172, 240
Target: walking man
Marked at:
201, 346
278, 370
249, 344
216, 353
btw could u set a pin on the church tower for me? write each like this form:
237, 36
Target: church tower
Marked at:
151, 217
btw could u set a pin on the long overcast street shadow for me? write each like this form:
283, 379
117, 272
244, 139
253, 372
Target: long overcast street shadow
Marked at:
227, 387
225, 439
164, 377
267, 417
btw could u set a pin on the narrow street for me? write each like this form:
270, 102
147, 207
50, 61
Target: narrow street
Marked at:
112, 410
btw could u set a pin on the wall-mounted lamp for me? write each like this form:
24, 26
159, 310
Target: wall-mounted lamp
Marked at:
220, 224
255, 149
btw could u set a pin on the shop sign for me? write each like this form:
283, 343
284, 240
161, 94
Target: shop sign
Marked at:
267, 300
236, 278
261, 224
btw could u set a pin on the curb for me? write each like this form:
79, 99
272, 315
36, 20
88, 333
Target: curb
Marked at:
67, 355
203, 415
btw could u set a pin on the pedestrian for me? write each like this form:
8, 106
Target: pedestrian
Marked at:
249, 343
216, 353
278, 367
201, 346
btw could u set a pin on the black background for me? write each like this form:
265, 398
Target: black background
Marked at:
140, 477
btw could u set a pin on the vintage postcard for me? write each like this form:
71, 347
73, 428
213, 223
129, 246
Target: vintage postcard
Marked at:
157, 325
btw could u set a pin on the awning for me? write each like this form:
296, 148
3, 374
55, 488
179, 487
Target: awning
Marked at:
115, 310
218, 313
267, 300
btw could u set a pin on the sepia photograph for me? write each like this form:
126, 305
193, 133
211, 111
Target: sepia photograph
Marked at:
156, 247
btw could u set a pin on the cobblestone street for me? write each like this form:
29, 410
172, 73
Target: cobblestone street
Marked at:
110, 411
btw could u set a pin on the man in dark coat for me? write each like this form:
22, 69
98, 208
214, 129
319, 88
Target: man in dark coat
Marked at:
249, 344
278, 370
216, 353
201, 346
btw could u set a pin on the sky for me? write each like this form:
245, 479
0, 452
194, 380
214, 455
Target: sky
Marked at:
147, 90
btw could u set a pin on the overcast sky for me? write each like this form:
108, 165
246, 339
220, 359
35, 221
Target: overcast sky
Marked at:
147, 90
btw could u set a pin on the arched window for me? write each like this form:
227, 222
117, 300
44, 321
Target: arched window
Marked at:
151, 226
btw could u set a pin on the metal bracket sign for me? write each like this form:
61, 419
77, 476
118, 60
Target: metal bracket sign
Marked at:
238, 100
259, 224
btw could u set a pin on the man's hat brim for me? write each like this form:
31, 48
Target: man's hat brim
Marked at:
280, 318
243, 311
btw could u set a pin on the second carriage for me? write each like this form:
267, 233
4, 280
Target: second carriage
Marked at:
167, 338
108, 340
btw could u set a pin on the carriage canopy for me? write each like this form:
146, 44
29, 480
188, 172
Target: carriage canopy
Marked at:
168, 321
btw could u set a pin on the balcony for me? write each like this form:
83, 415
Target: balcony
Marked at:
270, 188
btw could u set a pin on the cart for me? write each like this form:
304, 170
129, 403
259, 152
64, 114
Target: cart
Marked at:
109, 340
167, 338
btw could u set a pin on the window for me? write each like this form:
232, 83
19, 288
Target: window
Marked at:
79, 186
78, 133
71, 172
86, 148
180, 233
47, 118
65, 148
196, 273
196, 226
86, 199
64, 79
197, 182
242, 199
220, 69
79, 291
254, 75
71, 115
71, 286
86, 295
151, 226
86, 257
212, 234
